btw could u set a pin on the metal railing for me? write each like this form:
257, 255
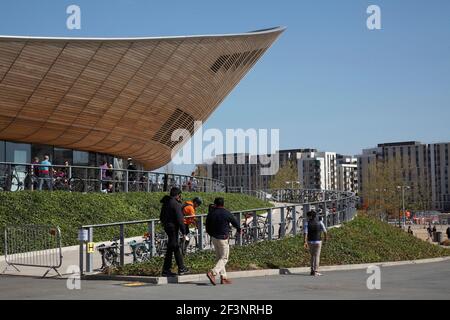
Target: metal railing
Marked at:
258, 224
26, 176
33, 246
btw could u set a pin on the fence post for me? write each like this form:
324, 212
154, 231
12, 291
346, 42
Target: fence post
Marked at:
89, 256
126, 181
269, 218
81, 262
325, 218
255, 226
201, 233
148, 182
282, 231
240, 235
100, 179
294, 221
151, 231
122, 244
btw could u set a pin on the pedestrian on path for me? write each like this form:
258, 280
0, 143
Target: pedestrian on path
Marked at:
448, 233
172, 220
312, 231
218, 223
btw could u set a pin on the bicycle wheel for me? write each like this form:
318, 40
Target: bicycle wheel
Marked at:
141, 254
76, 185
16, 185
30, 182
60, 185
111, 258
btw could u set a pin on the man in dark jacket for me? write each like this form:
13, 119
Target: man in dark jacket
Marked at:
218, 227
172, 220
312, 231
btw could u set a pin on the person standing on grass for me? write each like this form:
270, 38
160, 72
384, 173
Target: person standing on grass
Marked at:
313, 230
218, 223
172, 220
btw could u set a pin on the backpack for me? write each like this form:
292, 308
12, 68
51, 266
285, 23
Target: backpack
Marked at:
163, 213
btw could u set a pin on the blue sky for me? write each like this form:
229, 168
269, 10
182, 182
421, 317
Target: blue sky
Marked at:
328, 82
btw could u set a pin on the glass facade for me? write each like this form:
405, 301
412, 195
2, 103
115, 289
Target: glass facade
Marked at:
25, 152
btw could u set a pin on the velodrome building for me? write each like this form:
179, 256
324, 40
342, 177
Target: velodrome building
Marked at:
85, 100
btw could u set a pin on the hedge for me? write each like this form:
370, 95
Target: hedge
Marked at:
363, 240
71, 210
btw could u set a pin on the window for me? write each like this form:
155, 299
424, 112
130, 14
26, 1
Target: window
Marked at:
18, 152
40, 150
80, 158
61, 155
2, 151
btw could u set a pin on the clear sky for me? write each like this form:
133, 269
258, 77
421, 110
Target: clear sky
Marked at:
327, 83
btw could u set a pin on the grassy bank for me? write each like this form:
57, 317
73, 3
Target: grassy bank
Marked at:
71, 210
362, 240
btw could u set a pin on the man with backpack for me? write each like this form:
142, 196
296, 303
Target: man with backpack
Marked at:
312, 231
189, 210
172, 220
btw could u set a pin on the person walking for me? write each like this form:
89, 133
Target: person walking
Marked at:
172, 220
44, 173
312, 231
218, 223
448, 233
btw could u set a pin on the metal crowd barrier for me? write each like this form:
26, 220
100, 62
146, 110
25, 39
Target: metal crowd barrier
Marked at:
266, 224
33, 246
22, 176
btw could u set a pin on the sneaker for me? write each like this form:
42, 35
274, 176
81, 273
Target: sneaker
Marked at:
168, 273
318, 274
312, 273
224, 280
183, 271
211, 278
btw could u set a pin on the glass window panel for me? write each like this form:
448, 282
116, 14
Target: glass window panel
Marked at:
18, 152
80, 158
61, 155
2, 151
40, 150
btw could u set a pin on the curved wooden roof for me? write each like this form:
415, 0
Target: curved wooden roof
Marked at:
119, 96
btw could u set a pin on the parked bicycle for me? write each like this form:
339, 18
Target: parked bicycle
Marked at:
110, 253
289, 223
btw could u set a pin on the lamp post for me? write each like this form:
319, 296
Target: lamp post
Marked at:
403, 204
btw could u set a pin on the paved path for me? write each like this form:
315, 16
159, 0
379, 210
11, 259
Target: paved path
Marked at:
423, 281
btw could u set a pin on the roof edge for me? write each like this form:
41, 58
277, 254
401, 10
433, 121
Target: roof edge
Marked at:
257, 32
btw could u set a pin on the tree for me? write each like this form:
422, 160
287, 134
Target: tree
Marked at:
201, 171
381, 193
287, 173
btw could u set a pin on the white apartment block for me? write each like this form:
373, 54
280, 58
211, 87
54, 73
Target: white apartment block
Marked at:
317, 170
347, 173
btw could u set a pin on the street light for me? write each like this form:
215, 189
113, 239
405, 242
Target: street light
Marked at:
403, 202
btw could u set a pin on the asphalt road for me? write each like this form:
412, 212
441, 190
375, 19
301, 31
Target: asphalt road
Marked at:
423, 281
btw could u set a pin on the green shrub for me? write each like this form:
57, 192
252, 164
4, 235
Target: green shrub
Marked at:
69, 211
363, 240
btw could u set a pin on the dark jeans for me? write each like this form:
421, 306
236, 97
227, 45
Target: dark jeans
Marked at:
173, 248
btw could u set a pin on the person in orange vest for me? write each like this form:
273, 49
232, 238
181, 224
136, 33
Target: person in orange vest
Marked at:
189, 209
